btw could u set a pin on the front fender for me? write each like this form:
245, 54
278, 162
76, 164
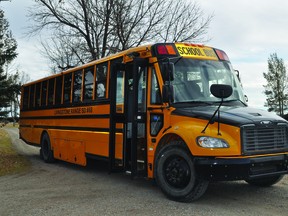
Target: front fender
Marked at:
189, 129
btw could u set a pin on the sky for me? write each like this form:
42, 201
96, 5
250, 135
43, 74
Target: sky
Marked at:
247, 30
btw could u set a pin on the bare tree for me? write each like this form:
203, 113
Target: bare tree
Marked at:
68, 52
91, 29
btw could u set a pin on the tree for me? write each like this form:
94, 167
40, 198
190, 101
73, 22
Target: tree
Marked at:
8, 46
276, 88
94, 29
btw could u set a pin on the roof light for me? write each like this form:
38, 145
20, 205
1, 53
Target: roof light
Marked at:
170, 50
166, 50
193, 45
222, 55
161, 49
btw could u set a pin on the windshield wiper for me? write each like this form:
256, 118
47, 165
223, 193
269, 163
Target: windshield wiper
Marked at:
235, 100
194, 103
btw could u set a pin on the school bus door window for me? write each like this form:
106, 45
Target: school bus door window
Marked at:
155, 89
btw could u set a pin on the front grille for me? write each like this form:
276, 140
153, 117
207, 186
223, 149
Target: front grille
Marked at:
264, 138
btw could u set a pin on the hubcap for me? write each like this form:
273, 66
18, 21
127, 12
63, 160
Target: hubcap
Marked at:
177, 172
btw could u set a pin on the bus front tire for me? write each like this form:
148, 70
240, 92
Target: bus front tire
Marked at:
175, 174
46, 153
265, 181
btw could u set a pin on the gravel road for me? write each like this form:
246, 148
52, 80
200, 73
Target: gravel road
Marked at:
66, 189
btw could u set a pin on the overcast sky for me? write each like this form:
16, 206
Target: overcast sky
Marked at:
247, 30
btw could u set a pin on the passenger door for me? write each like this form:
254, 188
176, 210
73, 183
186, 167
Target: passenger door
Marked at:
127, 140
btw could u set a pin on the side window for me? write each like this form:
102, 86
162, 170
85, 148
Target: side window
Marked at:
77, 86
38, 95
155, 89
58, 90
142, 74
101, 80
26, 97
88, 84
44, 93
32, 94
156, 123
51, 91
67, 87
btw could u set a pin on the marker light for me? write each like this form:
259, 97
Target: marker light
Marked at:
166, 50
211, 142
161, 49
170, 50
222, 55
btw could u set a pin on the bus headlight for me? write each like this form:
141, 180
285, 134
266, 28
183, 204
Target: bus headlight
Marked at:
211, 142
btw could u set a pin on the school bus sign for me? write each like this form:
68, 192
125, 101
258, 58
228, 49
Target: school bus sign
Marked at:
192, 51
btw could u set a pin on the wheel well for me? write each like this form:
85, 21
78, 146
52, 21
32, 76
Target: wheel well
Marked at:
168, 139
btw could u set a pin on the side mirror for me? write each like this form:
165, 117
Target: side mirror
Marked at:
168, 70
221, 91
168, 94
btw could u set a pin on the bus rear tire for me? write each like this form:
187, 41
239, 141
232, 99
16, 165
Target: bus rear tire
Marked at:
46, 152
176, 176
266, 181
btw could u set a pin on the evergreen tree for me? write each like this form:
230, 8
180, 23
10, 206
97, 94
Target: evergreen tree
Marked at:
8, 46
276, 88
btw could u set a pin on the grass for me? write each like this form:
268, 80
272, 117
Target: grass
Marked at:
10, 161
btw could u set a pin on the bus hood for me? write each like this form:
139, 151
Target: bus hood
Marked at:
230, 115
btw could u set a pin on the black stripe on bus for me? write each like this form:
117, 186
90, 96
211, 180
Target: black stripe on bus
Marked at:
102, 116
23, 125
99, 102
119, 130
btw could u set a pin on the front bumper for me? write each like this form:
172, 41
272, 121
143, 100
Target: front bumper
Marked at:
221, 169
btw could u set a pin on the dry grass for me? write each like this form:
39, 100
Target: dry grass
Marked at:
10, 161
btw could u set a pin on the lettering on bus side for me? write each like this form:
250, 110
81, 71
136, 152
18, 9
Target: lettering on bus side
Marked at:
78, 110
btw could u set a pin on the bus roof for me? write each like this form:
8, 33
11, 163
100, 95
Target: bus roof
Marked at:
160, 50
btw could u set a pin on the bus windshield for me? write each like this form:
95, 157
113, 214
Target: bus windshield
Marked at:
193, 78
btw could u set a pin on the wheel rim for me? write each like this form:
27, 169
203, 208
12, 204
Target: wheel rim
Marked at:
177, 172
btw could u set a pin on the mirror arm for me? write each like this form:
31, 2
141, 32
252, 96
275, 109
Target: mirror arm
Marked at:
210, 120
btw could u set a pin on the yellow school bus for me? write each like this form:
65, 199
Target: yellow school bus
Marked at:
174, 112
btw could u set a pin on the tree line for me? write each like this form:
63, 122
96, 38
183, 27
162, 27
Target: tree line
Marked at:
9, 83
